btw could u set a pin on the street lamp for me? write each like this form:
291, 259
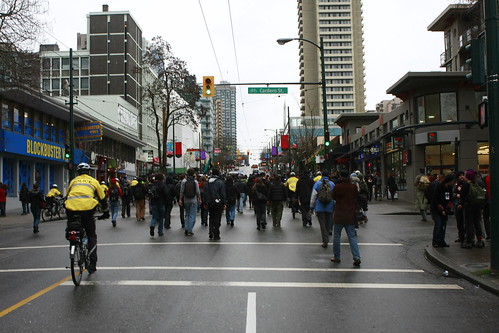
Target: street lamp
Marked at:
282, 41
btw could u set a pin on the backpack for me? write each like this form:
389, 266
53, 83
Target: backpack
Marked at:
477, 194
190, 188
430, 190
114, 194
153, 192
325, 192
126, 190
423, 183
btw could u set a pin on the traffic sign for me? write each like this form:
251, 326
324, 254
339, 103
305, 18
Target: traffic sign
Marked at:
268, 90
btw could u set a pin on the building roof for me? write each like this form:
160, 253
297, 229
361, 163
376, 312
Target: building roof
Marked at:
448, 16
365, 117
415, 80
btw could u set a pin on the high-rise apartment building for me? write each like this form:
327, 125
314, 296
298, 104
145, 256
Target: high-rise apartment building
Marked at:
339, 23
226, 118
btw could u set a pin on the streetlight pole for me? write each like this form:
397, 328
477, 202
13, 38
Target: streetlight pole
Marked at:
282, 41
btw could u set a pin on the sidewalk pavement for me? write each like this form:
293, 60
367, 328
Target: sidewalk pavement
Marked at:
470, 264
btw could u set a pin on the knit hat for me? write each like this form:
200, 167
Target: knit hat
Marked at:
470, 174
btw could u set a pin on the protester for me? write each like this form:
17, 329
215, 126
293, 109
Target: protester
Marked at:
157, 196
3, 199
472, 212
114, 193
232, 197
24, 198
190, 198
323, 207
421, 183
345, 195
461, 187
293, 200
277, 196
215, 196
177, 195
242, 189
169, 199
260, 203
440, 209
392, 186
139, 193
36, 200
304, 188
126, 197
203, 185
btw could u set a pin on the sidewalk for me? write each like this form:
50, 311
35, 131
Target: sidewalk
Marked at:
470, 264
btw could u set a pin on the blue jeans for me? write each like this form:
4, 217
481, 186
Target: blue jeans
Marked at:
158, 217
439, 229
36, 216
230, 213
113, 207
241, 203
25, 206
354, 247
191, 209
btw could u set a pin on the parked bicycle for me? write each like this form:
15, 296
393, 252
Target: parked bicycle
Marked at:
78, 249
54, 211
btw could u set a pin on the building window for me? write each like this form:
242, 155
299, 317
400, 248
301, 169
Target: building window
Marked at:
440, 159
37, 125
6, 116
28, 123
18, 120
437, 108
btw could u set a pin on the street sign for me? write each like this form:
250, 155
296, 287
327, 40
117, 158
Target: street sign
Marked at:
268, 90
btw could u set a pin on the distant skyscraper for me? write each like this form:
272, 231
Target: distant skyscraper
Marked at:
339, 23
226, 118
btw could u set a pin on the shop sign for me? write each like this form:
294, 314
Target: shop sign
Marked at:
15, 143
406, 157
89, 131
398, 142
432, 137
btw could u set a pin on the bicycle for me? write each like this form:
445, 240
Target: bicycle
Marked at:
55, 210
78, 249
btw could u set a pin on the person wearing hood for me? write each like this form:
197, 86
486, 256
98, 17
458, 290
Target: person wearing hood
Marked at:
357, 179
216, 199
304, 188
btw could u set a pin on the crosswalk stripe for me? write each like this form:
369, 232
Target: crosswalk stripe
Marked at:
200, 268
267, 284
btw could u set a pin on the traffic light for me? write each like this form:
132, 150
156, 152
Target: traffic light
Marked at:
67, 152
476, 61
208, 86
326, 139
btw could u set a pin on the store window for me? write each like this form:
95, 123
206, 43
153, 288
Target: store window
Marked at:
437, 108
37, 125
6, 117
395, 166
18, 120
28, 123
483, 157
440, 159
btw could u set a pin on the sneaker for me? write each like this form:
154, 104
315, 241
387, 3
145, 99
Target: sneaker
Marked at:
211, 236
91, 269
324, 245
337, 261
190, 233
466, 245
114, 223
231, 223
480, 244
160, 234
35, 230
216, 238
356, 262
151, 231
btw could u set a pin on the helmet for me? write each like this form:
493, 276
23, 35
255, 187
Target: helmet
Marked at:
103, 182
292, 174
54, 185
318, 173
83, 168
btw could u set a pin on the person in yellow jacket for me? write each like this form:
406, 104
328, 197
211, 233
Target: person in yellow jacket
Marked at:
318, 177
104, 186
83, 195
50, 198
293, 200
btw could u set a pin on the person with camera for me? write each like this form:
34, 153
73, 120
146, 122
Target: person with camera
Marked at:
83, 195
441, 208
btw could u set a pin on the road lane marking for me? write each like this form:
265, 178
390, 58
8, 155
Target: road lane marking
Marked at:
200, 268
268, 284
34, 296
251, 313
192, 243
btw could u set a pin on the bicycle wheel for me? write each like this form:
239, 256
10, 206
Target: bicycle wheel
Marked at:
76, 264
46, 214
62, 212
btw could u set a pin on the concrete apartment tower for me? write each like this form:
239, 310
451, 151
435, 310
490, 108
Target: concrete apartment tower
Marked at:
339, 23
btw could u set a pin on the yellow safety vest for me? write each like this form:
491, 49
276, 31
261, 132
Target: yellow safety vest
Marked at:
53, 193
291, 183
82, 192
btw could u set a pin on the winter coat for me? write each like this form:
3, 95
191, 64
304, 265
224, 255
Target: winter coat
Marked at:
315, 204
304, 188
345, 195
277, 192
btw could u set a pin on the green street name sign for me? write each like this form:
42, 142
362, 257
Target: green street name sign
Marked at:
267, 90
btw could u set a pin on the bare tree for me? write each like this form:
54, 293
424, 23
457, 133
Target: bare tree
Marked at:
172, 94
19, 31
306, 142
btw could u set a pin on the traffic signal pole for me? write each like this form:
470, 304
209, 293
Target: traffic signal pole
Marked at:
71, 120
492, 44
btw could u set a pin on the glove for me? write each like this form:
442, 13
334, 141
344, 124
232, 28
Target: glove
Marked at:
104, 216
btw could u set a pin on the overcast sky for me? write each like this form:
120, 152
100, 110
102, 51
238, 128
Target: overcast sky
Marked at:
396, 41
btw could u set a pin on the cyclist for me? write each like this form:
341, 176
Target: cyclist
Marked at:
50, 198
81, 201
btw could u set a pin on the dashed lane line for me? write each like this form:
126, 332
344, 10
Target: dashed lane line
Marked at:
254, 284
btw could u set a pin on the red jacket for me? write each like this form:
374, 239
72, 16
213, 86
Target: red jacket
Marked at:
3, 195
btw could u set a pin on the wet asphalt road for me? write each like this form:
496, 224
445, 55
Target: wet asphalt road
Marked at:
277, 280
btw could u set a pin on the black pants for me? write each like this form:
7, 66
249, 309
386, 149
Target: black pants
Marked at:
125, 207
88, 223
472, 224
215, 218
460, 224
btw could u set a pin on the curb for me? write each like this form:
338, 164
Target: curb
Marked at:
435, 257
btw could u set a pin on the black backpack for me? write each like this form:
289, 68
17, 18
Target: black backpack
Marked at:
114, 194
190, 188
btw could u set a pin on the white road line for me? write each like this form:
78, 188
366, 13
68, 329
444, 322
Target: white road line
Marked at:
200, 268
267, 284
251, 313
191, 243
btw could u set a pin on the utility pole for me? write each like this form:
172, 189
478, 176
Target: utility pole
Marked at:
289, 142
71, 161
492, 44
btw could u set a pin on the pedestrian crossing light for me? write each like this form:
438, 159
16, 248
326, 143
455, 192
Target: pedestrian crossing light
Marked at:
326, 139
208, 86
67, 152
